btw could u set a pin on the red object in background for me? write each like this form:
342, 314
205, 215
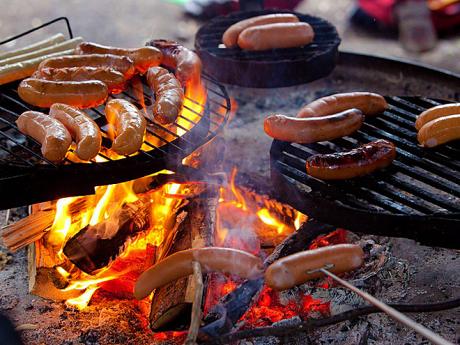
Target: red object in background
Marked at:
445, 13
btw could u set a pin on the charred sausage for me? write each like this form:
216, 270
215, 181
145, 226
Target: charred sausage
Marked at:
311, 130
440, 131
169, 95
357, 162
81, 94
369, 103
278, 35
295, 269
122, 64
186, 63
179, 265
435, 113
50, 133
230, 37
114, 80
129, 125
81, 127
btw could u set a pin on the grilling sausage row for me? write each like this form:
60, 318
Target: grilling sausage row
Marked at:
281, 275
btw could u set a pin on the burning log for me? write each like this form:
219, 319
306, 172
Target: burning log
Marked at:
232, 306
93, 247
33, 227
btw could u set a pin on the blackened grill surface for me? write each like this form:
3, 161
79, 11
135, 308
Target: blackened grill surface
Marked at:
273, 68
417, 197
26, 177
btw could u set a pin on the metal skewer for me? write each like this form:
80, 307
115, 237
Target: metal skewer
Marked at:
398, 316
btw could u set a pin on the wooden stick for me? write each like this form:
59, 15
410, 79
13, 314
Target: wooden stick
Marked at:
398, 316
196, 307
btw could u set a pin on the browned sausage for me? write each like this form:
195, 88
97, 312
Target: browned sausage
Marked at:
143, 57
122, 64
186, 63
114, 80
294, 269
369, 103
230, 37
278, 35
314, 129
129, 126
80, 94
440, 131
179, 265
169, 95
357, 162
81, 127
436, 112
49, 132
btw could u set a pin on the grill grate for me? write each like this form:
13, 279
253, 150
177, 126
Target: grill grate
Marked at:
26, 177
262, 68
418, 196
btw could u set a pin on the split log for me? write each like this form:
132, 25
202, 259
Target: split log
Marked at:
93, 247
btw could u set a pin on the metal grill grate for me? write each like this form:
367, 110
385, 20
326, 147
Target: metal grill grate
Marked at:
262, 68
418, 196
26, 177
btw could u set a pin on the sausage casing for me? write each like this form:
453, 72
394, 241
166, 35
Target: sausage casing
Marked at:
114, 80
179, 265
122, 64
440, 131
186, 63
50, 133
314, 129
81, 94
293, 270
357, 162
81, 127
369, 103
143, 57
230, 36
169, 95
274, 36
435, 113
129, 126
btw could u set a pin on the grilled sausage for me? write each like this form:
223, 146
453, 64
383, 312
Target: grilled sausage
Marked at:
143, 57
278, 35
357, 162
114, 80
81, 127
169, 95
122, 64
186, 63
23, 69
436, 112
440, 131
179, 265
311, 130
81, 94
294, 269
129, 126
369, 103
230, 37
50, 133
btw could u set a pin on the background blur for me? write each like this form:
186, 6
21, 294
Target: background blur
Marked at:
131, 23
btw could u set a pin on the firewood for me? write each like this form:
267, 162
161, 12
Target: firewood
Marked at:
196, 308
93, 247
34, 226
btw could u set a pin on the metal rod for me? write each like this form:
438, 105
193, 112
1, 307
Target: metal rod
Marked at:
420, 329
196, 307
